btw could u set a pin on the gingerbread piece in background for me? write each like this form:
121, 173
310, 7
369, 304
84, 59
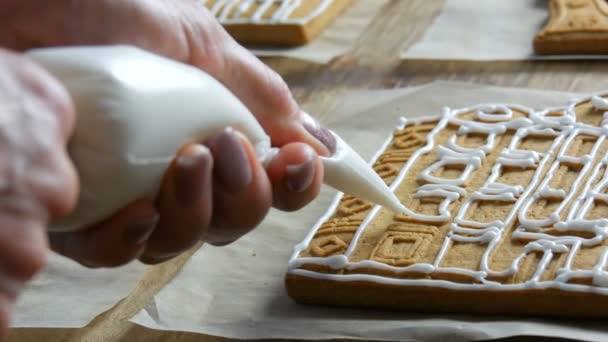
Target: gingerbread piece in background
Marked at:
276, 22
574, 27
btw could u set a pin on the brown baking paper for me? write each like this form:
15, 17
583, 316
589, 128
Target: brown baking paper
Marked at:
336, 40
485, 31
238, 292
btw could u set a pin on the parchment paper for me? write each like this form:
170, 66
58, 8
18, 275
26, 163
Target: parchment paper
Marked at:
485, 30
337, 39
67, 295
238, 292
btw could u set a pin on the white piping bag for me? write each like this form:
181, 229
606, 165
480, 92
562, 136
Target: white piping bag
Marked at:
135, 109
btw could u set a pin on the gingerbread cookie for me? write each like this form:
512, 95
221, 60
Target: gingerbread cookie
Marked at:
574, 27
276, 22
507, 213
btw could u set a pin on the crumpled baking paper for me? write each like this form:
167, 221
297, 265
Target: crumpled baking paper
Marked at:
485, 31
336, 40
238, 292
68, 295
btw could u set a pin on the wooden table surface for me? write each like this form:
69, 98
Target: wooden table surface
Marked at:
373, 63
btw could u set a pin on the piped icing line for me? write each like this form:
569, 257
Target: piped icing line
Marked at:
598, 274
522, 232
583, 203
598, 104
490, 232
564, 129
231, 11
400, 177
449, 285
294, 261
446, 117
544, 187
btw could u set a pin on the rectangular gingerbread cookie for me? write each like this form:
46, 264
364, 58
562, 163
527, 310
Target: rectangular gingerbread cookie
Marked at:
574, 27
507, 213
276, 22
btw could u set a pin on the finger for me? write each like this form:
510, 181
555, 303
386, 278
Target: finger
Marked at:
260, 88
56, 189
23, 247
23, 253
268, 97
46, 89
185, 204
184, 31
6, 307
242, 191
114, 242
296, 175
43, 111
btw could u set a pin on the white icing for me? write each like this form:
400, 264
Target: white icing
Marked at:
345, 170
136, 109
590, 186
599, 103
471, 160
494, 113
232, 11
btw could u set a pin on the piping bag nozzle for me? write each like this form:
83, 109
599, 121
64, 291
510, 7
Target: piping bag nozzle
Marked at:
346, 171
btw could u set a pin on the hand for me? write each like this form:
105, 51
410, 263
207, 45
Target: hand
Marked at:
37, 180
216, 192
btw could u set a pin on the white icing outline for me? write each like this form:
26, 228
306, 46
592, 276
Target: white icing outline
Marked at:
565, 129
222, 9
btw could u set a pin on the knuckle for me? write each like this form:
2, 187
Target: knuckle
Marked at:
209, 43
24, 81
61, 195
43, 116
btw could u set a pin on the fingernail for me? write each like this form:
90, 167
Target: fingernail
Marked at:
216, 234
157, 260
220, 243
299, 177
138, 232
191, 166
321, 133
232, 167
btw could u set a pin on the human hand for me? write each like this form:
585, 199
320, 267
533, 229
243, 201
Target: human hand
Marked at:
37, 181
216, 193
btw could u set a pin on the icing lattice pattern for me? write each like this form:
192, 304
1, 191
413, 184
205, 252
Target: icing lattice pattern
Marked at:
498, 197
266, 12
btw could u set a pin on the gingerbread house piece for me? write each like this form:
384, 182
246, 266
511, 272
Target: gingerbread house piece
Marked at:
574, 27
507, 213
276, 22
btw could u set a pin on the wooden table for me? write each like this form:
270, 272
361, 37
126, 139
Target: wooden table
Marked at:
373, 63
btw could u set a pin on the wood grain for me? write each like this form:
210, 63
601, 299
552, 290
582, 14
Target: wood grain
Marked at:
373, 63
